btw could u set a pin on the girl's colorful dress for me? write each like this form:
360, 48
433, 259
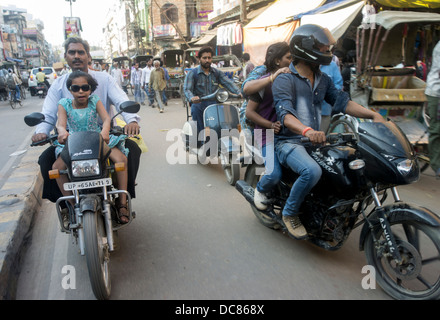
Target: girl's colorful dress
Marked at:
87, 119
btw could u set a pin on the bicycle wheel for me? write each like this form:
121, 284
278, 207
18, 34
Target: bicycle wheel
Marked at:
12, 100
23, 92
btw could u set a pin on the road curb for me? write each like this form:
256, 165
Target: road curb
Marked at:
20, 198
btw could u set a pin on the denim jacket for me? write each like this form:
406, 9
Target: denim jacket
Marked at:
294, 95
206, 84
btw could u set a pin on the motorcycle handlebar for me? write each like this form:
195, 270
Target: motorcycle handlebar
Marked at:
334, 138
43, 142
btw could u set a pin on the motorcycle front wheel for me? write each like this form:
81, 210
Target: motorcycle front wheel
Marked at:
97, 254
418, 276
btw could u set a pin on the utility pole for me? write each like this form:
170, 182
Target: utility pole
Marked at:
71, 6
243, 11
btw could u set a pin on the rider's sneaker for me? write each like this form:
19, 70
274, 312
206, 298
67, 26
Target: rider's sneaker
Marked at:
295, 227
260, 200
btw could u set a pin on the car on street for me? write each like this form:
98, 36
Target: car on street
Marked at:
50, 73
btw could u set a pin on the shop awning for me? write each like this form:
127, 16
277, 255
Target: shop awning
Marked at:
389, 19
273, 25
335, 5
14, 60
336, 21
205, 39
432, 4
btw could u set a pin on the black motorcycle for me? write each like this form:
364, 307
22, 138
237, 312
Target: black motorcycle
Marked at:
41, 90
359, 168
93, 221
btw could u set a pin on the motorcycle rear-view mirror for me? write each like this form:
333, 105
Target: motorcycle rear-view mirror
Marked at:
34, 119
130, 107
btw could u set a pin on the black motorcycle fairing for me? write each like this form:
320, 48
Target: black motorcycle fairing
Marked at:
385, 138
383, 146
400, 212
85, 145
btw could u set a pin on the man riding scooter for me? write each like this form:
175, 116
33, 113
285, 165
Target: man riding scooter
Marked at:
202, 81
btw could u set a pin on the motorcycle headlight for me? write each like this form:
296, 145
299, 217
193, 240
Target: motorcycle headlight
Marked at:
85, 168
222, 96
405, 166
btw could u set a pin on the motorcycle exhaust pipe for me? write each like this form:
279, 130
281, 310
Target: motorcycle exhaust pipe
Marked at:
246, 190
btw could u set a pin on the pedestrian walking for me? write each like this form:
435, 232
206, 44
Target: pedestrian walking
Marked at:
117, 74
146, 73
136, 76
433, 95
158, 83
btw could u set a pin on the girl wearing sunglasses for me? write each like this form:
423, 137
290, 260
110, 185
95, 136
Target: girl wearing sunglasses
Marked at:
82, 113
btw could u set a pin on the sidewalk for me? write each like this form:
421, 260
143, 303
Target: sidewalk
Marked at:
20, 197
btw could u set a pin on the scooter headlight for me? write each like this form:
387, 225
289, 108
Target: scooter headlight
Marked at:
222, 96
85, 168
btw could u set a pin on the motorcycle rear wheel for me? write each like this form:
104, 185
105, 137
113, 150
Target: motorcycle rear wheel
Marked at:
252, 179
97, 254
418, 277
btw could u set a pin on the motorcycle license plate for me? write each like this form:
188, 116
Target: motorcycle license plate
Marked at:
87, 184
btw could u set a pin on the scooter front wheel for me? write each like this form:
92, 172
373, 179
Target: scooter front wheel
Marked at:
231, 169
97, 254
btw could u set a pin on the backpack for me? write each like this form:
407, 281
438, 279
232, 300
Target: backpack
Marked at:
2, 82
10, 81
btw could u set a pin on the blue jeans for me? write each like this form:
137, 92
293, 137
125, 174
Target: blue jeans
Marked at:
150, 94
17, 92
138, 93
273, 169
295, 157
197, 113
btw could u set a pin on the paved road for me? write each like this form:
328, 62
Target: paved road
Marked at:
195, 237
15, 134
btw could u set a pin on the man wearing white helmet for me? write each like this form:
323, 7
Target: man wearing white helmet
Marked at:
297, 99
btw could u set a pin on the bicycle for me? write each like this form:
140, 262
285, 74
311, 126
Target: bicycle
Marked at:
12, 94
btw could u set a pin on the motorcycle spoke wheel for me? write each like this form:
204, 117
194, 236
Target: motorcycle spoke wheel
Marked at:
418, 276
97, 254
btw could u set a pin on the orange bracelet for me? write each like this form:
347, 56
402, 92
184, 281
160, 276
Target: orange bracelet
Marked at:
305, 131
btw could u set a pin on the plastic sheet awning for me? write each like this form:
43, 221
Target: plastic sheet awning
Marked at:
432, 4
273, 25
336, 21
389, 19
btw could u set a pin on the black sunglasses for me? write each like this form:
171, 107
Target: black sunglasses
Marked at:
76, 88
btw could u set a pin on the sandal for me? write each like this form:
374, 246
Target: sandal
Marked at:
123, 216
